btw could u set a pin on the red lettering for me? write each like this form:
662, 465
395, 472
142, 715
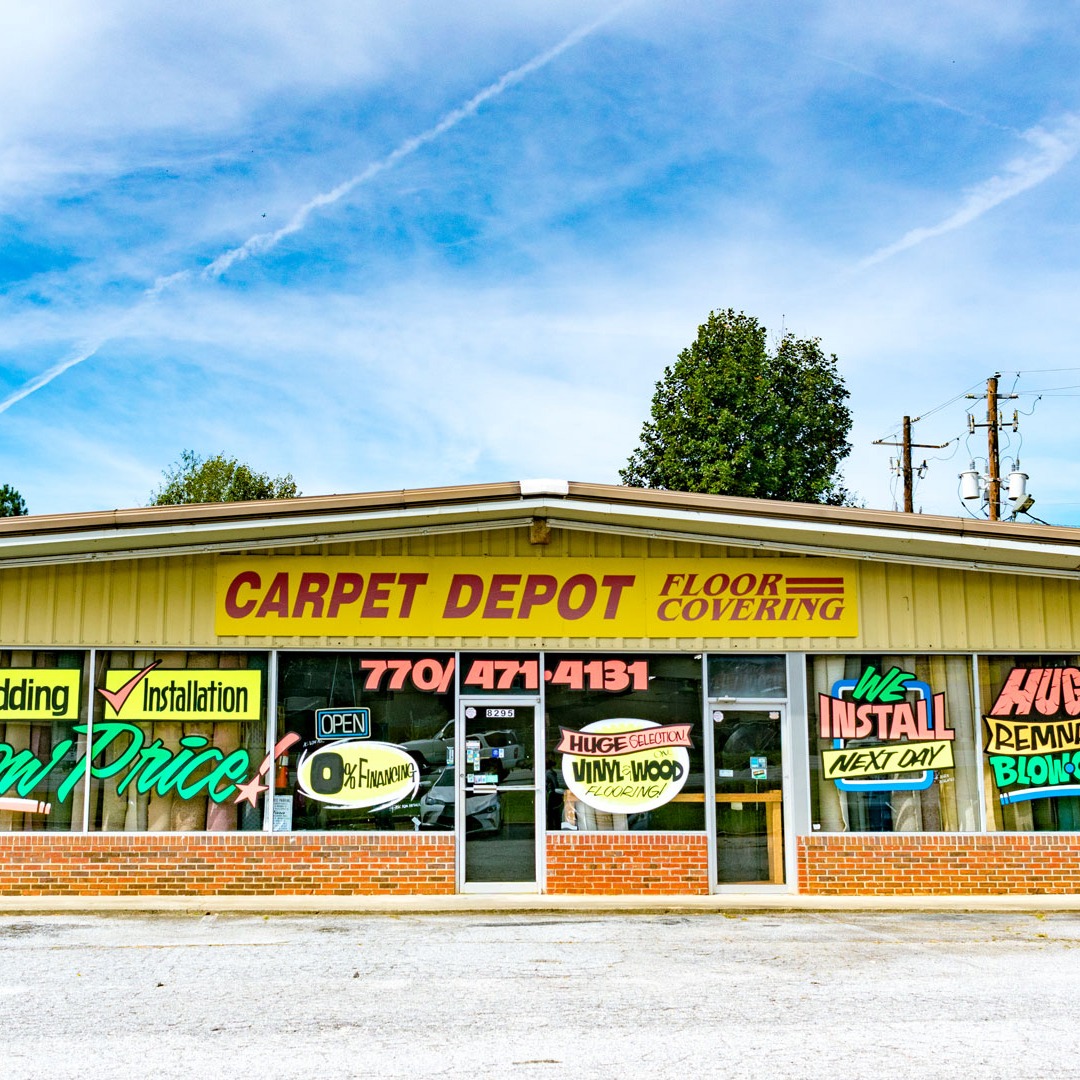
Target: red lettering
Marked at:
669, 583
1070, 691
768, 584
311, 591
276, 600
539, 589
500, 593
767, 609
233, 608
615, 583
377, 591
1018, 693
567, 608
661, 611
743, 584
456, 607
347, 589
716, 585
411, 582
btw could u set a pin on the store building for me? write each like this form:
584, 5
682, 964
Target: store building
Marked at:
537, 687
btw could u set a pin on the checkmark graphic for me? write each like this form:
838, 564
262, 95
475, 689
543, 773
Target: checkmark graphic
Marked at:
116, 698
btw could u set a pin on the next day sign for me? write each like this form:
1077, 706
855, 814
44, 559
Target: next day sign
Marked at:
533, 597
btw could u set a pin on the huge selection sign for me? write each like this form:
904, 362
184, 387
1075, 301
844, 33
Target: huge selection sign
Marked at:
625, 765
453, 597
888, 732
1032, 734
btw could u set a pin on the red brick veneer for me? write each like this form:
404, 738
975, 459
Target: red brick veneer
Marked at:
939, 864
613, 863
184, 864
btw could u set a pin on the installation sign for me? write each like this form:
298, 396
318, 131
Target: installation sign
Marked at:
474, 597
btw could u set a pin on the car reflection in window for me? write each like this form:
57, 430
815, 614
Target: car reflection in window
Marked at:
483, 810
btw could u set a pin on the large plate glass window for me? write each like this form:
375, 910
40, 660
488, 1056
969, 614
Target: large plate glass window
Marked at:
1031, 742
623, 738
892, 744
373, 741
42, 740
179, 742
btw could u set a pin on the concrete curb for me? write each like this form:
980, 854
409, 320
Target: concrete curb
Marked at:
510, 904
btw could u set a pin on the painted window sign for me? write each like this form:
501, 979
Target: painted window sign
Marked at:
1033, 734
168, 694
453, 597
358, 775
625, 765
884, 729
39, 694
123, 751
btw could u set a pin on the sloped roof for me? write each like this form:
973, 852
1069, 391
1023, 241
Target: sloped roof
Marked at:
802, 528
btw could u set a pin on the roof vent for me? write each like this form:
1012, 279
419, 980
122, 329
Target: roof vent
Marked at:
545, 487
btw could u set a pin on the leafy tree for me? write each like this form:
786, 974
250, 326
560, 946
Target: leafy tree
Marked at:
12, 504
218, 479
733, 417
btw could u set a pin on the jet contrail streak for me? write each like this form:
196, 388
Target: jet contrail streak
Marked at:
1054, 149
263, 242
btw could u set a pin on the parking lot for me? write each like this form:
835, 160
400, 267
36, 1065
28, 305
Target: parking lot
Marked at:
808, 994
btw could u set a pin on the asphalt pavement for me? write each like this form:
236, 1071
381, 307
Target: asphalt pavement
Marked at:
540, 994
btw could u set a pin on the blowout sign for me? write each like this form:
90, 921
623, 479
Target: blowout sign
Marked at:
625, 766
1033, 734
558, 597
884, 728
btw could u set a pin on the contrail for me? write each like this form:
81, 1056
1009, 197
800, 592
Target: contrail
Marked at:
1054, 149
263, 242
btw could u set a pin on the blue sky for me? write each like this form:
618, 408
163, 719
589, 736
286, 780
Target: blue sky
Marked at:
383, 245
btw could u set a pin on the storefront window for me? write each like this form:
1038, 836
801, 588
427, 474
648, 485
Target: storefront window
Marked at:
42, 741
373, 741
624, 746
747, 676
892, 744
178, 742
1031, 742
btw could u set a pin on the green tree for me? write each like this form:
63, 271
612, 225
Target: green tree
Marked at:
733, 417
218, 479
12, 504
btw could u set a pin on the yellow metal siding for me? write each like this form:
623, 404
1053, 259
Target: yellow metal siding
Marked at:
169, 602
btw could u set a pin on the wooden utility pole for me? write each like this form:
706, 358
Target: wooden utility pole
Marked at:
993, 425
905, 460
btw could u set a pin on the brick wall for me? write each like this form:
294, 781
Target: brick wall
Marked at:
913, 864
184, 864
612, 863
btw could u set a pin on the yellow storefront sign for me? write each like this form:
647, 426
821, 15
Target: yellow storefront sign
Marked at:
901, 757
39, 694
171, 694
473, 597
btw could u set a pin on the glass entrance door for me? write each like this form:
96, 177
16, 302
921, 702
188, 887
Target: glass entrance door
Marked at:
497, 788
748, 766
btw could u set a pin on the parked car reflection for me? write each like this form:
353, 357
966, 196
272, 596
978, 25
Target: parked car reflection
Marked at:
483, 810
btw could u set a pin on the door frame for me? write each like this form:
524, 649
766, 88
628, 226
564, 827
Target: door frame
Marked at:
787, 853
499, 701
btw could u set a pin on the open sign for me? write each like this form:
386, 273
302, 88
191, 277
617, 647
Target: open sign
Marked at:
353, 723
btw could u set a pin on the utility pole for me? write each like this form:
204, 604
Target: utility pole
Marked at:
905, 460
993, 425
